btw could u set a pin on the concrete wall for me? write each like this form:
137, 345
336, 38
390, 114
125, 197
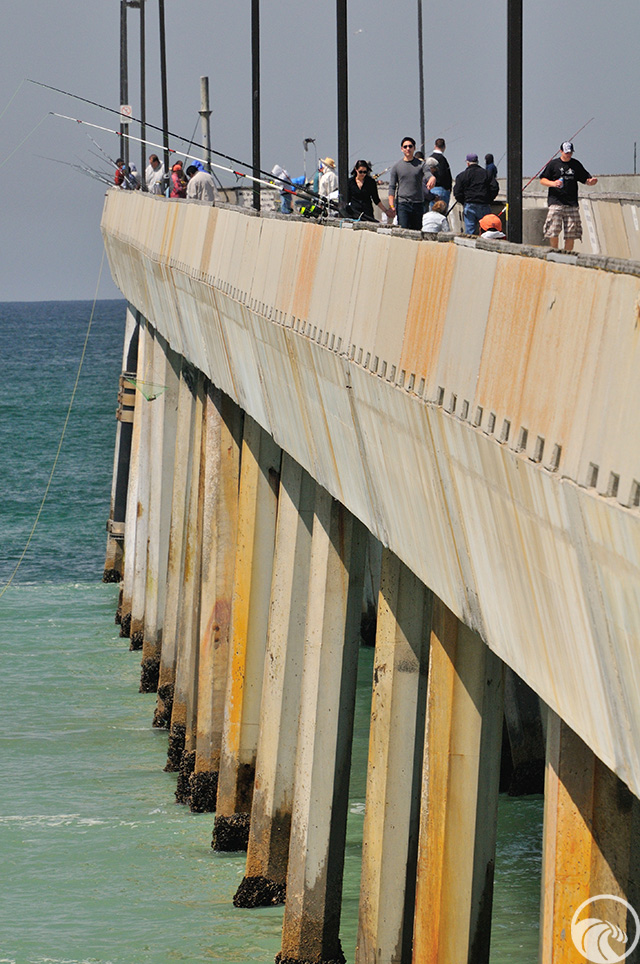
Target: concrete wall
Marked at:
473, 404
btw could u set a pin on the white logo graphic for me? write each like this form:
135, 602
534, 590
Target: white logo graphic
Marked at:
600, 941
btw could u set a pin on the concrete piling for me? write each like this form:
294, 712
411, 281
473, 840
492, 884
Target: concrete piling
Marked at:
265, 877
316, 853
591, 848
182, 729
394, 773
221, 452
139, 598
135, 463
114, 560
175, 561
164, 410
461, 770
257, 512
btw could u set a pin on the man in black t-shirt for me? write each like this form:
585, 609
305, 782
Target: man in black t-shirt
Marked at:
561, 176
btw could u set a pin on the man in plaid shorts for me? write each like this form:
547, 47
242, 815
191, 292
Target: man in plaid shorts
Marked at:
561, 176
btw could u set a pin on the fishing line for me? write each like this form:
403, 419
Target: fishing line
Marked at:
23, 140
12, 98
136, 120
64, 430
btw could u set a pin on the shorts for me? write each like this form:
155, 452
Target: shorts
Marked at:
563, 216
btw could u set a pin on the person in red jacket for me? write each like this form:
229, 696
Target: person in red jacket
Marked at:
178, 181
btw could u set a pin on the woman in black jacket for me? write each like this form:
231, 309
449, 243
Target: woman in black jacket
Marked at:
363, 193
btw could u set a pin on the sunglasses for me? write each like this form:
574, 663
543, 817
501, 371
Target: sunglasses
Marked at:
361, 170
406, 147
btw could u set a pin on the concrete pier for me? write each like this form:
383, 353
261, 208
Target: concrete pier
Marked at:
394, 773
221, 453
268, 848
311, 927
467, 409
257, 513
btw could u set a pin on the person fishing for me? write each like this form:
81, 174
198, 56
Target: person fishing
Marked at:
562, 175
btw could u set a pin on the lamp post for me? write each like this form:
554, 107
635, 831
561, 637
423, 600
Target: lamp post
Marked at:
255, 98
343, 102
124, 77
163, 84
514, 121
421, 74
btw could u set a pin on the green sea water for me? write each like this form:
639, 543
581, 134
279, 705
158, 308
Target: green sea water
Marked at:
97, 862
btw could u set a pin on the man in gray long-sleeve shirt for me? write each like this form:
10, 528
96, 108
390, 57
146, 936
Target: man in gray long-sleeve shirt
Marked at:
405, 186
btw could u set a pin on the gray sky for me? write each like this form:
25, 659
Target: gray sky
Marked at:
580, 61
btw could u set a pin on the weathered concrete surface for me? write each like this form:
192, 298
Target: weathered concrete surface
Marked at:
390, 835
268, 848
458, 818
311, 925
257, 514
223, 441
474, 404
591, 847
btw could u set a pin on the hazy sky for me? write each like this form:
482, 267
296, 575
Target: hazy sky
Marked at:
580, 61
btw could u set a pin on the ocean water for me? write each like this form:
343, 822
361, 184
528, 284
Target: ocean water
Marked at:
98, 865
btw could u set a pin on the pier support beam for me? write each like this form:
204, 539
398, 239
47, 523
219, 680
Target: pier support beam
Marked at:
182, 730
164, 410
461, 772
223, 441
394, 773
316, 853
114, 560
267, 853
591, 847
257, 512
175, 562
136, 460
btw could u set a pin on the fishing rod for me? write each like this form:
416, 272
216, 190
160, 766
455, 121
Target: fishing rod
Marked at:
90, 172
131, 137
227, 157
573, 136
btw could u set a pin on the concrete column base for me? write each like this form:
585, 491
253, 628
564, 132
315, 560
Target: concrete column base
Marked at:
175, 748
112, 575
231, 834
149, 674
339, 958
136, 640
125, 624
259, 892
183, 787
204, 790
164, 706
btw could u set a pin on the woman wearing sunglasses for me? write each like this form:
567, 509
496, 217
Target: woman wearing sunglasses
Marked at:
363, 193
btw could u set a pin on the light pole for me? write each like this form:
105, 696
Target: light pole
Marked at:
255, 98
514, 121
124, 78
421, 74
163, 84
343, 103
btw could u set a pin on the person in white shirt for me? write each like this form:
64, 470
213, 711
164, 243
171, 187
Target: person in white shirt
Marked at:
201, 186
329, 180
435, 220
154, 175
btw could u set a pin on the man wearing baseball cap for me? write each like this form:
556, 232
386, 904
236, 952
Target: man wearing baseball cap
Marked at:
561, 176
475, 189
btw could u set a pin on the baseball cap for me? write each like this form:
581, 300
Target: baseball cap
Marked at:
567, 147
490, 222
473, 158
